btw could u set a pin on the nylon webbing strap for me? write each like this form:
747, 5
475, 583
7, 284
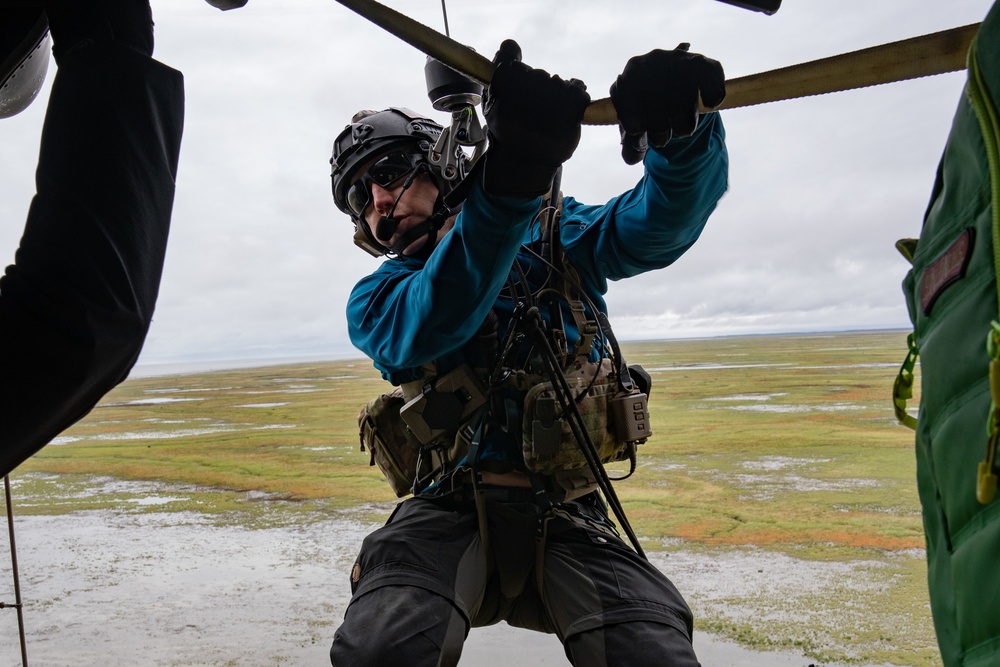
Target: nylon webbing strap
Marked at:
913, 58
936, 53
989, 126
927, 55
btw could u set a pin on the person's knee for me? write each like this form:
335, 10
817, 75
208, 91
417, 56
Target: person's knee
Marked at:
399, 625
372, 649
636, 644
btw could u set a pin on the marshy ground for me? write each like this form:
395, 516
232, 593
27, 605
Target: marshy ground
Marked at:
212, 519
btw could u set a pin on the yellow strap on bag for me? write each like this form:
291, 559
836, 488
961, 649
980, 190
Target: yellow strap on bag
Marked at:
986, 114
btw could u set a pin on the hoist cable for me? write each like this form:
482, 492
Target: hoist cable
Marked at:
444, 12
571, 412
17, 606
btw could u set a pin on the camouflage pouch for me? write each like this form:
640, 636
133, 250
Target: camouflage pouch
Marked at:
548, 442
407, 463
393, 448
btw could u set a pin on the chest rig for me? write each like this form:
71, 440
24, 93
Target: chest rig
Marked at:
554, 381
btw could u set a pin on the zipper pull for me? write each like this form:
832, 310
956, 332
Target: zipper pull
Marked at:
902, 388
986, 479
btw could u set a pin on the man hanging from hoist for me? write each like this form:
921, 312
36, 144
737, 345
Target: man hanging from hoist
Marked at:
511, 391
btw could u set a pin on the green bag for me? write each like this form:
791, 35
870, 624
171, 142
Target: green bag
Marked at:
951, 294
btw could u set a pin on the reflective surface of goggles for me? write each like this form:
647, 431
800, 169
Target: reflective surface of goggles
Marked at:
387, 170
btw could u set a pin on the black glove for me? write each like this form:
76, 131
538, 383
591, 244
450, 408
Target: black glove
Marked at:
657, 97
226, 5
533, 124
77, 23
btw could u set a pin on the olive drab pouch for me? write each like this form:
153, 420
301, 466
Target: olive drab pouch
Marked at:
548, 442
393, 448
951, 295
413, 441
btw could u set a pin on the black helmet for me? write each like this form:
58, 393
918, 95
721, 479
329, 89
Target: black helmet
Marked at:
24, 57
375, 134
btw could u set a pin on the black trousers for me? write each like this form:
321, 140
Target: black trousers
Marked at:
426, 577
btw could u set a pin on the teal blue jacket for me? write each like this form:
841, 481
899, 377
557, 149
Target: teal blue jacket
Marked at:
411, 311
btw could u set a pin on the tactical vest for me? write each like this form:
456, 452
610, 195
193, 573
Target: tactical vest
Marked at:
419, 432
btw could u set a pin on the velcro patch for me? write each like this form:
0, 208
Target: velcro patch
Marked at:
946, 270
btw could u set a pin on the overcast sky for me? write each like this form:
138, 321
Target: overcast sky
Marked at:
261, 262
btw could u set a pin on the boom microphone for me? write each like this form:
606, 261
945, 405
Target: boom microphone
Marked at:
386, 227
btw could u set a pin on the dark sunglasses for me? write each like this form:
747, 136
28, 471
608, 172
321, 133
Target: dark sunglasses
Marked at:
387, 170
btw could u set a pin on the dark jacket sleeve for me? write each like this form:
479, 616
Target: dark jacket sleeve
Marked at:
76, 305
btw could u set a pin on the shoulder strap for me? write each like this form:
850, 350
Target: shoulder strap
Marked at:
986, 114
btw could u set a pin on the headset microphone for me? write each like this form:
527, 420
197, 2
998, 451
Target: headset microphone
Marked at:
428, 228
385, 228
386, 225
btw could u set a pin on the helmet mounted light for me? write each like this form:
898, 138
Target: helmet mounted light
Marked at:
24, 57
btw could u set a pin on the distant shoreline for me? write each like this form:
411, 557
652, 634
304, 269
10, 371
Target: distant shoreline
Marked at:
143, 370
186, 367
